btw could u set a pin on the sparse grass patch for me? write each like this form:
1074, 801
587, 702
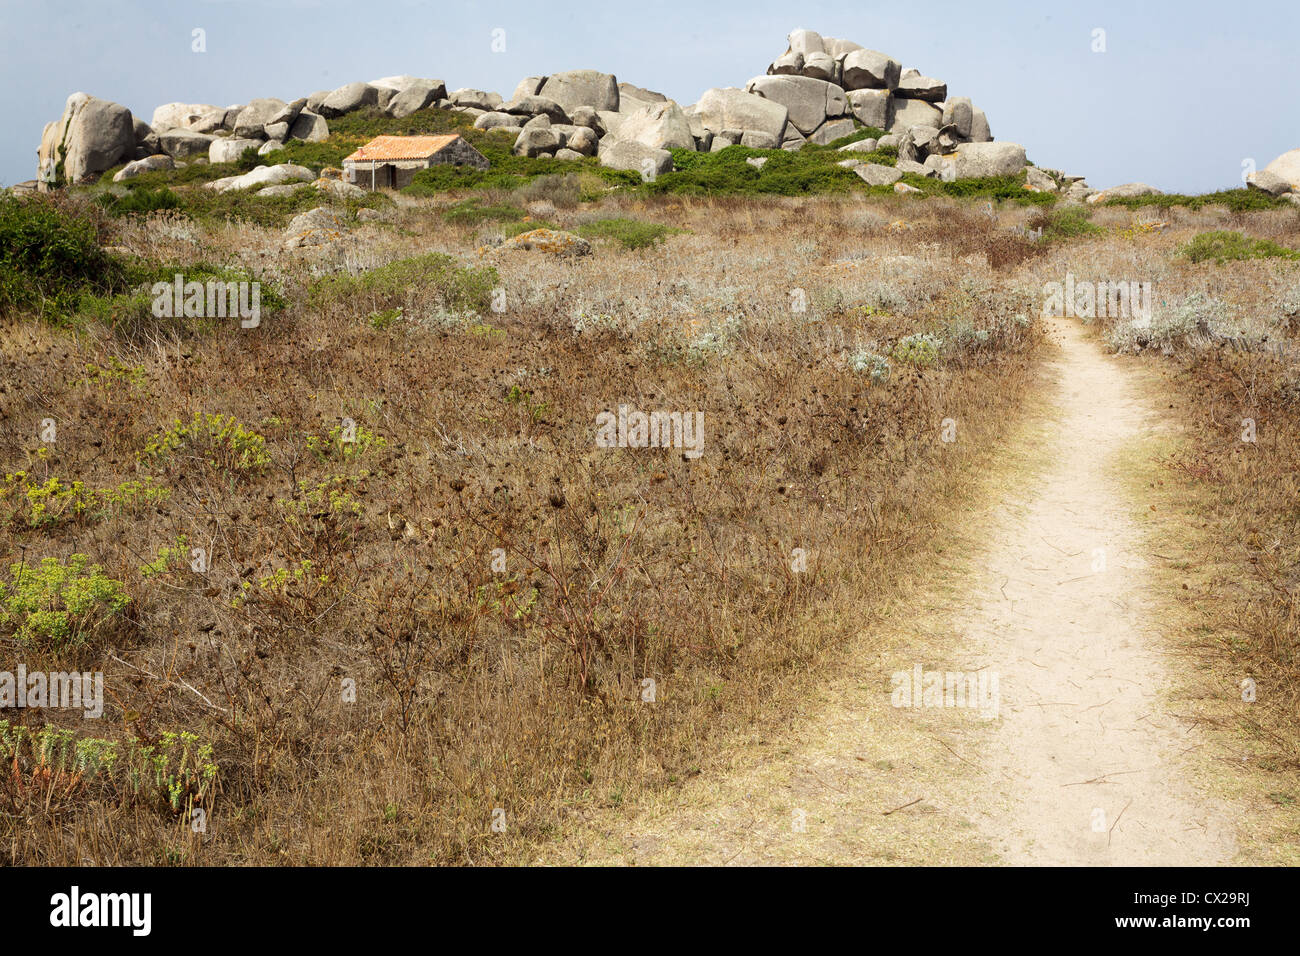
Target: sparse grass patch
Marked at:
435, 278
473, 212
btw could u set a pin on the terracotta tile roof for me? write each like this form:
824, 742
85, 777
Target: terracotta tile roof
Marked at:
388, 148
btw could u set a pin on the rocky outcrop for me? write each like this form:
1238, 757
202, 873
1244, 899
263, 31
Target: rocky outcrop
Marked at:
819, 90
809, 102
316, 227
347, 98
576, 88
498, 120
552, 241
229, 150
263, 176
185, 143
417, 96
183, 115
980, 160
636, 157
869, 70
467, 98
147, 165
873, 174
93, 135
309, 127
253, 118
658, 125
1126, 191
536, 105
1281, 177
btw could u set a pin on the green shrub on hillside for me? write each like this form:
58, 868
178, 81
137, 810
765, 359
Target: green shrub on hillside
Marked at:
1237, 200
50, 258
1068, 222
630, 233
920, 349
221, 440
472, 212
1230, 246
137, 201
58, 605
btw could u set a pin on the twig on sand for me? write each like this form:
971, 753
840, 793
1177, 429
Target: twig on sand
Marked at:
885, 813
954, 753
1101, 779
1116, 823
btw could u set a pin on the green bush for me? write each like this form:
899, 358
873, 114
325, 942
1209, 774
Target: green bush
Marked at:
631, 233
993, 187
32, 503
511, 172
219, 439
130, 317
59, 605
1237, 200
272, 211
921, 350
137, 201
1068, 222
806, 171
1225, 246
50, 258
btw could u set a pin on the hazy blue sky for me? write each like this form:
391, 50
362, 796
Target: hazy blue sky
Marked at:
1183, 94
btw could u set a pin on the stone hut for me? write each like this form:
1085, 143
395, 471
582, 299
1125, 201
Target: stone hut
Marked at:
391, 162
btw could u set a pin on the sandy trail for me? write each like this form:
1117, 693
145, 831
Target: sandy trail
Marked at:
1085, 755
1052, 592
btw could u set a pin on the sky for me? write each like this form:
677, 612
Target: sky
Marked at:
1176, 94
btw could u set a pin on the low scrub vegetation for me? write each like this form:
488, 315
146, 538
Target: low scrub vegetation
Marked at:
51, 257
629, 233
1225, 246
334, 549
1236, 200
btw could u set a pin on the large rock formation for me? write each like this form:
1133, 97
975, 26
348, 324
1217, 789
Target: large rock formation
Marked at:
93, 135
819, 90
980, 160
347, 98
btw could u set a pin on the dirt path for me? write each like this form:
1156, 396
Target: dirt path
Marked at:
1051, 592
1085, 755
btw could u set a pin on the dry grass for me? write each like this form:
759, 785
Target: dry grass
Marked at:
373, 563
